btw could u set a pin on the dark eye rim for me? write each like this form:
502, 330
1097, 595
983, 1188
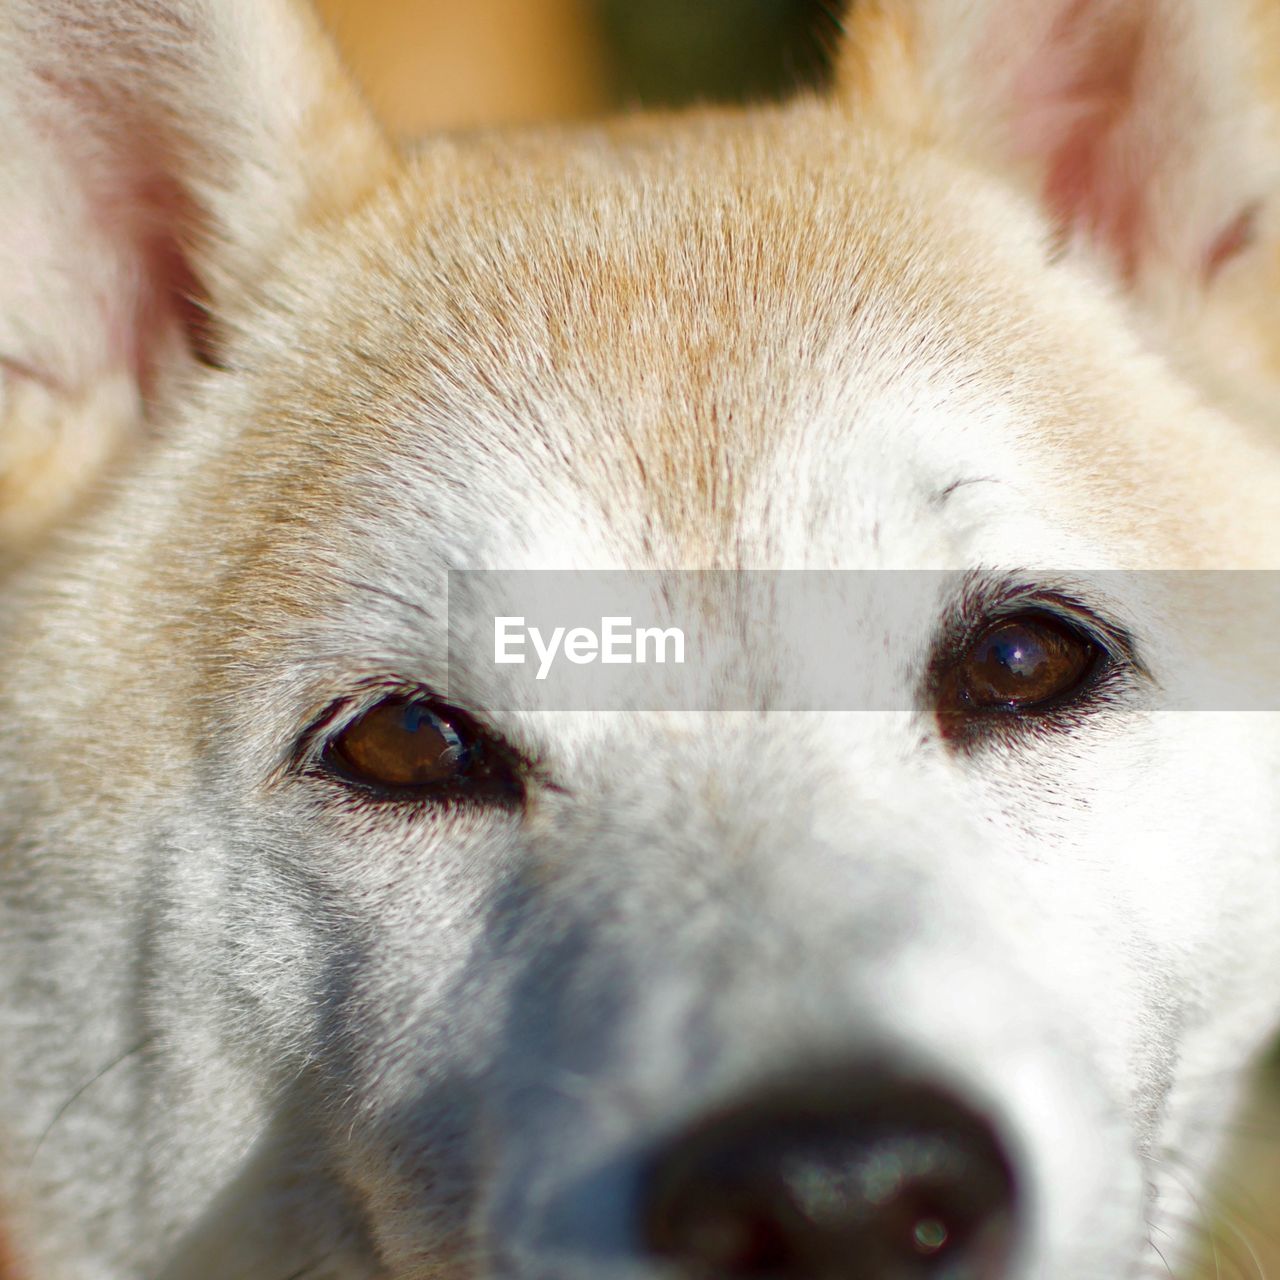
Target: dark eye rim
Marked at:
1113, 668
499, 778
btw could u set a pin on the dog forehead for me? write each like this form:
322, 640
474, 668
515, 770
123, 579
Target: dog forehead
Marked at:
771, 339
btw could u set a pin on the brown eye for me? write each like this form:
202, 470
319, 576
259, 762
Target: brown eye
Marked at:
1022, 664
412, 746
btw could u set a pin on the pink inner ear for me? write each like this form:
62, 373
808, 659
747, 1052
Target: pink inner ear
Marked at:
172, 299
147, 219
112, 225
1074, 104
1231, 241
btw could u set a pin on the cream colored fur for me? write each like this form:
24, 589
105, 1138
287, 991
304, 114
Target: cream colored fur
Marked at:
249, 1029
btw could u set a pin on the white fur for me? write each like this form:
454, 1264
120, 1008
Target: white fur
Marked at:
248, 1030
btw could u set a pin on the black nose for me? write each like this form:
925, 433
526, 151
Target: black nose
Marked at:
842, 1178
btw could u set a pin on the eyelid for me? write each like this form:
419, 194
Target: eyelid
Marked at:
986, 601
495, 776
340, 714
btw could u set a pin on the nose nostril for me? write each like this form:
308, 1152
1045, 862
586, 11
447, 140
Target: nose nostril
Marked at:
842, 1182
738, 1240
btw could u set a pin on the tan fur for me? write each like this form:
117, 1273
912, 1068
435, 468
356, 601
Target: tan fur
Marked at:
1190, 469
779, 338
54, 445
69, 407
903, 65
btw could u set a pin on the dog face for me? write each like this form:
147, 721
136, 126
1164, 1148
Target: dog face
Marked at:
367, 981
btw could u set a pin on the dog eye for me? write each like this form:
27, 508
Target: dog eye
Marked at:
1024, 664
412, 747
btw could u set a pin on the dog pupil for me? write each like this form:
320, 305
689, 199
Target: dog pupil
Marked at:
1019, 653
432, 744
404, 744
1022, 663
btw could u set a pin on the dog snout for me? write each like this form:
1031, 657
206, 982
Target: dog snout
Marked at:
863, 1177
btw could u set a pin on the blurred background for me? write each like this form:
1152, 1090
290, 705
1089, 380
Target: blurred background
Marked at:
431, 64
443, 63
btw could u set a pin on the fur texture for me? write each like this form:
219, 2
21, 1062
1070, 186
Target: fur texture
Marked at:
251, 1026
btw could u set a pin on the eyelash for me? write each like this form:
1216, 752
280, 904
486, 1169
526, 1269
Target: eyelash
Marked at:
1114, 675
313, 756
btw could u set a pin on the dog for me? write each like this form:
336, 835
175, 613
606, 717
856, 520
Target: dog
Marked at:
325, 955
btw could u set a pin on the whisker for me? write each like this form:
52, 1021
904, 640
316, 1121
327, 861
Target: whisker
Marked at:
1235, 1201
79, 1093
1213, 1224
1243, 1237
311, 1268
1156, 1249
394, 597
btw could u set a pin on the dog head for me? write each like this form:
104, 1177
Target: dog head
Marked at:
375, 969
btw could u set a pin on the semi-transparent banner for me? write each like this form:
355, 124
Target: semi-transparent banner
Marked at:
876, 640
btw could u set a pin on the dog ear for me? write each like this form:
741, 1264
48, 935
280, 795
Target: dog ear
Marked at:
157, 154
1142, 127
